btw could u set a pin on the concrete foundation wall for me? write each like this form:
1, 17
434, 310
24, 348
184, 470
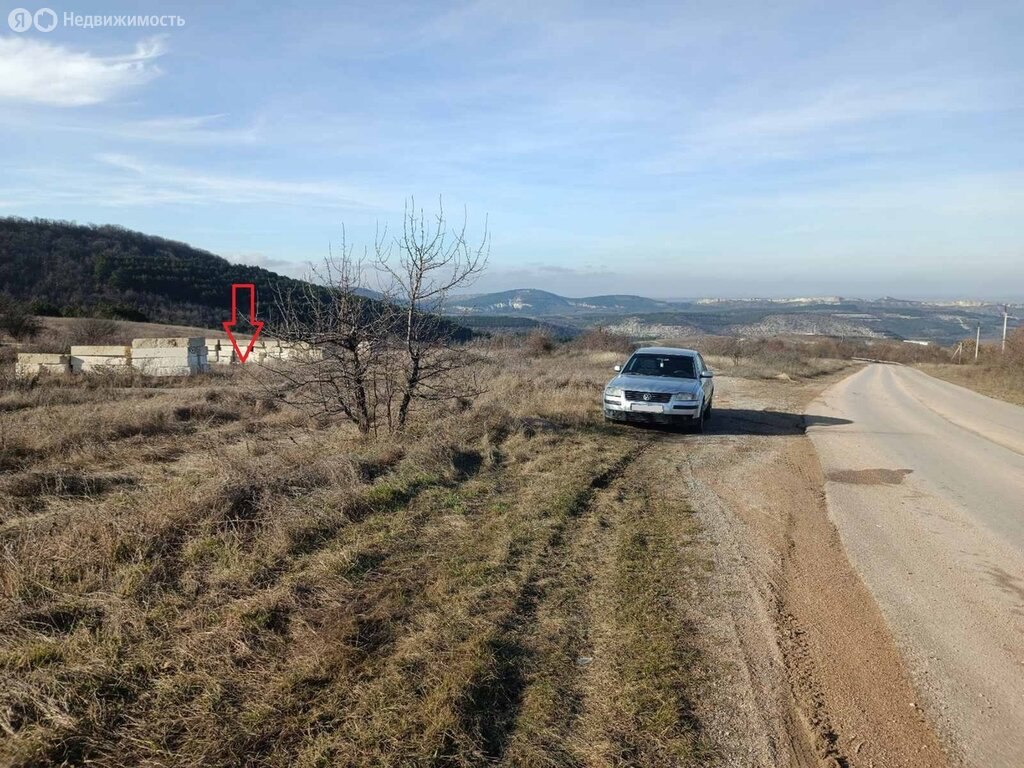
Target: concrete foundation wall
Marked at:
176, 356
183, 342
99, 364
170, 360
32, 364
100, 359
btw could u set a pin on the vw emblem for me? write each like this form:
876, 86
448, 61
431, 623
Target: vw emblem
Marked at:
647, 395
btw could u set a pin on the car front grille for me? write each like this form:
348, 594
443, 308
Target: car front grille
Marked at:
647, 397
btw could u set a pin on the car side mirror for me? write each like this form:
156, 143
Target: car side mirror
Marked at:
617, 367
707, 374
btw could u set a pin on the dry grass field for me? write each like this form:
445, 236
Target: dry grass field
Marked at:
1004, 381
192, 575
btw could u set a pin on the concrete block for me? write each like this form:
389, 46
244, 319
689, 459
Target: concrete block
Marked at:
29, 365
42, 358
183, 342
97, 364
169, 353
85, 351
243, 343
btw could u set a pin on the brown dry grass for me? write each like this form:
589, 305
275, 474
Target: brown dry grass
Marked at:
997, 373
190, 576
1003, 382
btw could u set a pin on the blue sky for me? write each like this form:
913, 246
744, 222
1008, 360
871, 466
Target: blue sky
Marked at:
669, 149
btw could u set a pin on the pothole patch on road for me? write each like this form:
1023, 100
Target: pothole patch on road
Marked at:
869, 476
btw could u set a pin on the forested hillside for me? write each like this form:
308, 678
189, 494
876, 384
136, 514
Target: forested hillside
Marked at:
68, 269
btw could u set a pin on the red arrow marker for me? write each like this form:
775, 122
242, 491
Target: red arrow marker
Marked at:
256, 324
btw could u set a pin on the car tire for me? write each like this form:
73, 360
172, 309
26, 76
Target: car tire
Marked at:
707, 411
698, 424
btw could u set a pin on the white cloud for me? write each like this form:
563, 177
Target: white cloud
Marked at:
858, 117
847, 104
117, 180
280, 266
38, 72
185, 185
995, 194
198, 130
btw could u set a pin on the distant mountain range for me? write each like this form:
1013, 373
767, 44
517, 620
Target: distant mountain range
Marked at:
72, 270
532, 302
642, 317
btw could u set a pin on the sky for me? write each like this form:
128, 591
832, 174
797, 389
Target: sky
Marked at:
675, 149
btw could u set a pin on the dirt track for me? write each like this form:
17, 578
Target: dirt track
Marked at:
812, 676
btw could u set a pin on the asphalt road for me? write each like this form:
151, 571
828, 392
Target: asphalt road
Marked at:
925, 482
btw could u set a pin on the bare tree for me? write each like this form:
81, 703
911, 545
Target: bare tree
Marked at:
373, 355
96, 330
336, 330
423, 266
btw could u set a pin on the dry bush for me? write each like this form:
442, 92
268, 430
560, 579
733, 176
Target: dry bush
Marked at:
603, 340
996, 373
539, 343
17, 320
97, 331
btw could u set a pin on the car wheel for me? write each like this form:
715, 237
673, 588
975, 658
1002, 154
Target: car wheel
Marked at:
707, 410
698, 424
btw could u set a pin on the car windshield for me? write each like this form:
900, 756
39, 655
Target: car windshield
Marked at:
673, 366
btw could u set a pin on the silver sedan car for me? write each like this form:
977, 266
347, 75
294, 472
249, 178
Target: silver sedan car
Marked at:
661, 385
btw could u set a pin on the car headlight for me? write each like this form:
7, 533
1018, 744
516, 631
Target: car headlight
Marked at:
612, 392
685, 397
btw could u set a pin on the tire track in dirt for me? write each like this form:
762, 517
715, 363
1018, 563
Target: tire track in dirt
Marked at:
642, 672
536, 633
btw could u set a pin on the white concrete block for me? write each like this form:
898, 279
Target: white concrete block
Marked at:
30, 365
87, 351
184, 342
98, 364
169, 353
42, 358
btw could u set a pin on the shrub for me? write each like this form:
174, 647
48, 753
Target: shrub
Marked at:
96, 331
603, 340
16, 320
539, 343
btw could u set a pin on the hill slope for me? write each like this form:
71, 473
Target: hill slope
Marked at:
66, 269
69, 269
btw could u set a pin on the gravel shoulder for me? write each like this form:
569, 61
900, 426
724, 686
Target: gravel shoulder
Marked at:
809, 672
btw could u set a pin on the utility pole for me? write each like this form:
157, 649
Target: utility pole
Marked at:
1006, 315
977, 343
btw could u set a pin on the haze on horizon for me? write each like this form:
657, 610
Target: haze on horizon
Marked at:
668, 150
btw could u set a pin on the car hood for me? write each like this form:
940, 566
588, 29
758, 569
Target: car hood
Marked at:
655, 384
